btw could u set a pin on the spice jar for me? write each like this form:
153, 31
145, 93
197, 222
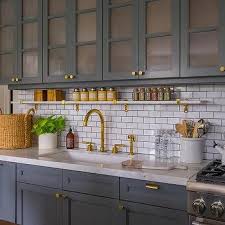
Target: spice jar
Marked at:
135, 95
111, 94
102, 94
167, 94
84, 96
142, 94
93, 95
76, 95
160, 94
148, 94
154, 94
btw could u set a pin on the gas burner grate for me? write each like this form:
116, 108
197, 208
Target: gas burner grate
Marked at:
214, 172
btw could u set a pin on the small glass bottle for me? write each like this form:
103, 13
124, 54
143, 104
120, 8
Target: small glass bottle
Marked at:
111, 94
149, 94
84, 95
142, 94
93, 95
160, 94
76, 95
102, 94
154, 94
70, 139
135, 94
167, 94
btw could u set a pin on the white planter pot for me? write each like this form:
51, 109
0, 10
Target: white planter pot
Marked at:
47, 142
192, 150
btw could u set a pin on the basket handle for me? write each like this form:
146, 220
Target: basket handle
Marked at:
30, 111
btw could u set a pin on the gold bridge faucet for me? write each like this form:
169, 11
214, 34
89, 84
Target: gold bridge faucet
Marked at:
99, 113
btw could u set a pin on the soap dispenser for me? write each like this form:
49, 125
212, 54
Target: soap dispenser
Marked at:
70, 139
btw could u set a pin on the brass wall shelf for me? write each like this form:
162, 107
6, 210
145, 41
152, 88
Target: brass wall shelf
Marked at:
184, 103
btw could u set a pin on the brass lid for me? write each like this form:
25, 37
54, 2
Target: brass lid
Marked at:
111, 89
93, 89
84, 89
76, 90
102, 89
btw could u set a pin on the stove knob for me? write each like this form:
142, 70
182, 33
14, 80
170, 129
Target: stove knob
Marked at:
199, 206
217, 209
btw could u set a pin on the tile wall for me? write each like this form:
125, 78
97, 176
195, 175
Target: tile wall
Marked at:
142, 120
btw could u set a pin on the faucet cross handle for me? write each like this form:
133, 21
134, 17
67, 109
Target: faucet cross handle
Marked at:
116, 148
90, 146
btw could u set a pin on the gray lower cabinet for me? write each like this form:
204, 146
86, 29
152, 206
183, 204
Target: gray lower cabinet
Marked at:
82, 209
7, 191
140, 214
37, 205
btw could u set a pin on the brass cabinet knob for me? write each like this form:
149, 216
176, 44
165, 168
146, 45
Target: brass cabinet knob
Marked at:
222, 69
134, 73
13, 79
57, 195
17, 79
66, 77
72, 76
121, 207
141, 73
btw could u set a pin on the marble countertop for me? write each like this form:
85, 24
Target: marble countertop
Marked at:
107, 164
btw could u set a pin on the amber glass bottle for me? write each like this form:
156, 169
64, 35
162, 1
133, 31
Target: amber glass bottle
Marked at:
70, 139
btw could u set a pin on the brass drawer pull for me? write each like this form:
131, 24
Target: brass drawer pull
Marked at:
222, 69
152, 186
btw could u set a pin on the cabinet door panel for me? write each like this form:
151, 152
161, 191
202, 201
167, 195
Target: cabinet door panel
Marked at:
37, 205
8, 40
86, 39
120, 39
149, 215
100, 210
159, 38
30, 41
57, 30
8, 191
202, 38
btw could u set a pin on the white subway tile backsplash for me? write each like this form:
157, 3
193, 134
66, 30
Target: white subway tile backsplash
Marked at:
142, 120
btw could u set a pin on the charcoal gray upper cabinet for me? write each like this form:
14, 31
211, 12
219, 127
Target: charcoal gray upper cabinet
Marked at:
202, 38
82, 209
29, 42
72, 40
159, 38
120, 39
8, 40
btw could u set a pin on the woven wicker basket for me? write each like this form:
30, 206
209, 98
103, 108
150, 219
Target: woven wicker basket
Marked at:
15, 130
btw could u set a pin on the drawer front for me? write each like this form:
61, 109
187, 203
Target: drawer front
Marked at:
43, 176
89, 183
157, 194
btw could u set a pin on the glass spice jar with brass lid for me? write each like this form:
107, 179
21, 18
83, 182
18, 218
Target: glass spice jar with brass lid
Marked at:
142, 94
167, 94
148, 94
135, 94
76, 95
154, 94
111, 94
93, 95
102, 94
84, 95
160, 94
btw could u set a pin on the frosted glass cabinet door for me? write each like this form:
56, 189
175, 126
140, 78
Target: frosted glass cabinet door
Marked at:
159, 39
120, 39
8, 43
203, 33
29, 41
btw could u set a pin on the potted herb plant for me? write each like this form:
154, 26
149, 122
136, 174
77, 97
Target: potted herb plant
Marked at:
47, 130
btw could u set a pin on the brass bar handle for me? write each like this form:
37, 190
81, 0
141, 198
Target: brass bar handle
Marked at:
152, 186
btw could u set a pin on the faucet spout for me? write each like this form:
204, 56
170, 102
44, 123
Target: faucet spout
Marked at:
85, 123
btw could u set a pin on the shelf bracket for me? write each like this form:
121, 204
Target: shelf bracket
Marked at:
186, 106
126, 108
77, 107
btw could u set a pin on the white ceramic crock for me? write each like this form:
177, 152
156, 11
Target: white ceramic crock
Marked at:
47, 142
192, 150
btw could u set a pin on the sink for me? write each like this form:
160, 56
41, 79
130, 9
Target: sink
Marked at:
78, 157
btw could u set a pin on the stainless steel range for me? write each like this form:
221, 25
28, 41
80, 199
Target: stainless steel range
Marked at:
206, 195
